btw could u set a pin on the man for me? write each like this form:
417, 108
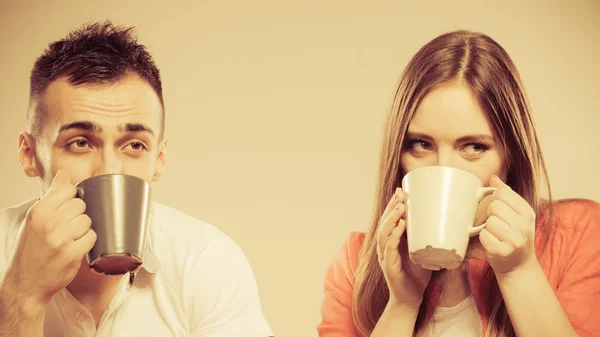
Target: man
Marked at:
96, 107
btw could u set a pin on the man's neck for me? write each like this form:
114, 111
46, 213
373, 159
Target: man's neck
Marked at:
92, 290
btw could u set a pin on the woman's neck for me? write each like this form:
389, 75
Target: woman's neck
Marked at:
455, 287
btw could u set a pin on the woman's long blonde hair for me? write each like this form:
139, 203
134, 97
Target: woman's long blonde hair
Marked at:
479, 62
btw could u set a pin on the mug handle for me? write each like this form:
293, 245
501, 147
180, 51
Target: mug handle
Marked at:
79, 191
481, 193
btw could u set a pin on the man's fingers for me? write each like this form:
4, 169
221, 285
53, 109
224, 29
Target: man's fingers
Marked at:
80, 226
59, 192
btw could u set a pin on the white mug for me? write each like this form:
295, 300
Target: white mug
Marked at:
441, 204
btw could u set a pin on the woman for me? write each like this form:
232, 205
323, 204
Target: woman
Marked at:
533, 271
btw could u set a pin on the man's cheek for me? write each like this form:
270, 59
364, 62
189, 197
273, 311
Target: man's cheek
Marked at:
78, 169
142, 168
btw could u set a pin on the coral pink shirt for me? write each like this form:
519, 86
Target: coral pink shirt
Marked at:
571, 263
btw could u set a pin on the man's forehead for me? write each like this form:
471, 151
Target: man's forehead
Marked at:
130, 90
129, 100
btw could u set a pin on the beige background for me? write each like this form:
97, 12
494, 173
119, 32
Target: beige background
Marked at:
275, 110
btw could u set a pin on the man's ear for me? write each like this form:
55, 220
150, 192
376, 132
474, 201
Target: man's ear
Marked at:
27, 155
161, 162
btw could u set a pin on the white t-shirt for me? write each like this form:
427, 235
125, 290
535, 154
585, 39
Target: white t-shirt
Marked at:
195, 281
459, 320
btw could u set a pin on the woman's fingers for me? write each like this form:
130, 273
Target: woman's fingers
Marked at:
386, 227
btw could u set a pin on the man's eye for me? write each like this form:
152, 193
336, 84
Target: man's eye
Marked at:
137, 146
78, 145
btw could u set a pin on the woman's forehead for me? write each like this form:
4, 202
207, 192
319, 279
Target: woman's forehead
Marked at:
450, 110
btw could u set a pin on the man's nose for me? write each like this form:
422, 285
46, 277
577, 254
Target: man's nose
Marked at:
109, 163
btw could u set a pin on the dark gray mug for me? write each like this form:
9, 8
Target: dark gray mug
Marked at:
119, 206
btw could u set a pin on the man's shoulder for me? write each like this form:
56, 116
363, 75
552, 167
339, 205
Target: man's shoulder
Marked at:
208, 275
10, 222
182, 232
172, 221
188, 245
13, 215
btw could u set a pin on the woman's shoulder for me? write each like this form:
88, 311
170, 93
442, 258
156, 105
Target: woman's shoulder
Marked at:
354, 241
346, 260
577, 204
336, 307
354, 244
576, 213
573, 223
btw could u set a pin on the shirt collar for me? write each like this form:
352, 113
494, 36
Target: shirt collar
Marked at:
150, 261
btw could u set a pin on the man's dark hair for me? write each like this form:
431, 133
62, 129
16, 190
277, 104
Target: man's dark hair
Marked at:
96, 53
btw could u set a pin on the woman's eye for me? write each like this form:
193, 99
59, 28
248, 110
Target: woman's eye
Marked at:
420, 145
476, 148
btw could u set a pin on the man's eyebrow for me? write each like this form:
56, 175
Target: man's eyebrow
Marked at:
96, 128
81, 125
135, 127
